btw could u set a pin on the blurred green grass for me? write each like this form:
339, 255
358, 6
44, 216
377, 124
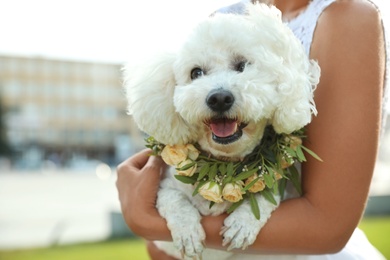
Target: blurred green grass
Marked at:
133, 249
377, 230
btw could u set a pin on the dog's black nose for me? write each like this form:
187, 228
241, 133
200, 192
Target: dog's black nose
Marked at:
220, 100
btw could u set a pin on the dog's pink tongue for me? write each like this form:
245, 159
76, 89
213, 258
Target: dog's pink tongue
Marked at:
224, 127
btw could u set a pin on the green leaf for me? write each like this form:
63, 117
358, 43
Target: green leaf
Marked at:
227, 180
268, 179
245, 175
186, 167
312, 153
196, 190
254, 205
230, 169
269, 155
301, 156
204, 170
254, 164
275, 188
213, 171
185, 179
295, 179
222, 168
247, 187
234, 206
282, 187
211, 204
269, 196
291, 151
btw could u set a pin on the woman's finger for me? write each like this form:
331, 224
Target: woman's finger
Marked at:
139, 160
150, 177
155, 162
131, 167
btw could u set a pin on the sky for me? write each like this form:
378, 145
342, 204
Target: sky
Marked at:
112, 31
97, 30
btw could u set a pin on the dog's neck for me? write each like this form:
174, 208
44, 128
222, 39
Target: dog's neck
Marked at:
223, 158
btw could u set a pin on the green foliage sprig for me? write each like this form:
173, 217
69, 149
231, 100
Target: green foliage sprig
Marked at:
266, 170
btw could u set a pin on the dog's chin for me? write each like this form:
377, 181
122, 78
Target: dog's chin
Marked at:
231, 148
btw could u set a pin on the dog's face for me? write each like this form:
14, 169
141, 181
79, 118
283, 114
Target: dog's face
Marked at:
222, 92
233, 77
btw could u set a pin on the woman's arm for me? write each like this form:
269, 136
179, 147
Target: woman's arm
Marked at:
349, 47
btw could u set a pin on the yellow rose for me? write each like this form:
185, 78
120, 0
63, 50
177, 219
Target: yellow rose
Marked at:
211, 191
293, 141
285, 162
174, 154
193, 153
189, 172
232, 192
278, 176
259, 185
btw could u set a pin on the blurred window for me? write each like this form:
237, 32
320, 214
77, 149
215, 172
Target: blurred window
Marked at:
13, 88
109, 113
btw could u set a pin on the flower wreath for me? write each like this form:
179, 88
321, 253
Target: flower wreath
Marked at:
265, 170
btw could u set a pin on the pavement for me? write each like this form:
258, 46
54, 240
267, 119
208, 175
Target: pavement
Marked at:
51, 207
55, 207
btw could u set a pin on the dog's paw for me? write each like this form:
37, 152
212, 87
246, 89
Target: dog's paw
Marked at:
240, 230
241, 227
189, 240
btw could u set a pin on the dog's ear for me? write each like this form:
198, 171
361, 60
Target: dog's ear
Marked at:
296, 105
297, 76
149, 91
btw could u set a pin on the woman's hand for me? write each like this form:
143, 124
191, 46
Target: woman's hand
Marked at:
137, 183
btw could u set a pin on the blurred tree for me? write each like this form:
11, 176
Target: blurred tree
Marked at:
5, 149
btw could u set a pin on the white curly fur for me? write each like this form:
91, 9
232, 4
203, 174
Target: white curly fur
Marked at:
275, 88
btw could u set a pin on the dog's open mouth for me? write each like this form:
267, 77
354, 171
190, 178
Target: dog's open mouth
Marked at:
225, 130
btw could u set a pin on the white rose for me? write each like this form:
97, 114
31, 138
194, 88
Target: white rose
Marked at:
211, 191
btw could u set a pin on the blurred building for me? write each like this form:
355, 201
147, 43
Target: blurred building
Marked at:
57, 108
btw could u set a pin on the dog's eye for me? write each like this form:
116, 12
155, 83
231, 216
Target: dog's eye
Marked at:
196, 73
240, 66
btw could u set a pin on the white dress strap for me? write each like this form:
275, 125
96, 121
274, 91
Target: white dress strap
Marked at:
385, 12
304, 24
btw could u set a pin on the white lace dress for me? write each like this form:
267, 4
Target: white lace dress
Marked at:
303, 27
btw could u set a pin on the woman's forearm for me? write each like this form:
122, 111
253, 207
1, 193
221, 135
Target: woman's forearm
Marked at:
295, 227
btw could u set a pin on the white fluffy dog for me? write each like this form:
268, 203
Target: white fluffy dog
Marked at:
235, 75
